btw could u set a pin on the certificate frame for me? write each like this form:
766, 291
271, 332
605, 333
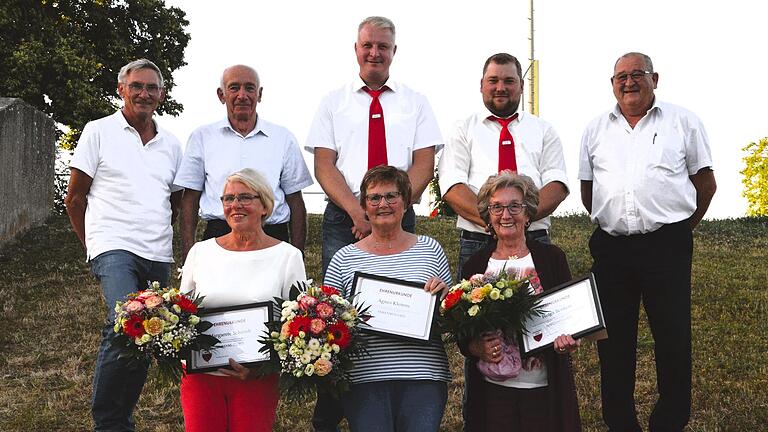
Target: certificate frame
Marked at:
581, 299
364, 285
233, 321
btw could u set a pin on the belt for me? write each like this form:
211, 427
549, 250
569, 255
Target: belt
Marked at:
476, 236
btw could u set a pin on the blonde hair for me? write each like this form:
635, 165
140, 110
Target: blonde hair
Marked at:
256, 182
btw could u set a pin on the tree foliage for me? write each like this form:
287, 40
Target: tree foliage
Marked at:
756, 177
63, 56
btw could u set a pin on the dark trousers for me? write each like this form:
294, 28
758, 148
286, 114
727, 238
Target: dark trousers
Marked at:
218, 227
516, 409
654, 268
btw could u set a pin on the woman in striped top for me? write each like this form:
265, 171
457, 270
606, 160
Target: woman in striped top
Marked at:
401, 385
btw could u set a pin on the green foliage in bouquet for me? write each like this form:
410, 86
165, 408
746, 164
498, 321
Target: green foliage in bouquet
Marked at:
314, 342
487, 302
161, 324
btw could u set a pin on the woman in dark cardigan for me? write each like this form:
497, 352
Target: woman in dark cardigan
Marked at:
549, 404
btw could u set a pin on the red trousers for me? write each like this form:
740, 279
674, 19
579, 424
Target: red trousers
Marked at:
222, 404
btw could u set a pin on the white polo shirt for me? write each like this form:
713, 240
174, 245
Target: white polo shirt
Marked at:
217, 150
341, 124
640, 177
471, 155
129, 205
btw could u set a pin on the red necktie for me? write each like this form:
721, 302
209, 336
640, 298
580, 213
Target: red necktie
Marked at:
377, 139
507, 159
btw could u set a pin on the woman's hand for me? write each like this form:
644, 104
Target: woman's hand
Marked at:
487, 347
238, 371
566, 344
434, 285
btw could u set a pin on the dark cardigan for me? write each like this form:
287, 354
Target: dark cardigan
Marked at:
552, 269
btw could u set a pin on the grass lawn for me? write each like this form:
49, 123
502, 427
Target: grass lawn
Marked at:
51, 312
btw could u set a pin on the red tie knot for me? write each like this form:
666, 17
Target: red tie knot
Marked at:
504, 122
375, 93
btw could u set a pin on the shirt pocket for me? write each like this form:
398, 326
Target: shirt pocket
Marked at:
666, 153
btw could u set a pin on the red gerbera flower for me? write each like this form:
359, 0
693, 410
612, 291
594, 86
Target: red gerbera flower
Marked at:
452, 298
134, 326
186, 304
299, 324
338, 333
329, 290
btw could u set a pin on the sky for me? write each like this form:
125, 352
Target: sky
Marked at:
710, 57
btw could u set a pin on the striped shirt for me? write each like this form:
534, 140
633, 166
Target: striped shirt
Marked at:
391, 358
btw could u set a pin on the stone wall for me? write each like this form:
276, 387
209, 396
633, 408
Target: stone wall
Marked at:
27, 151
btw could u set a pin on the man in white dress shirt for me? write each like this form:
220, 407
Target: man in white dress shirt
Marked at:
342, 137
478, 148
242, 140
646, 180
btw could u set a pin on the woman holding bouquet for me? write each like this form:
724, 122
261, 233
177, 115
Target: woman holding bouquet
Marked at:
401, 385
244, 266
503, 392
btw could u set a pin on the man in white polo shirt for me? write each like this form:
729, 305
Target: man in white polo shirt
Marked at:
370, 121
121, 202
498, 138
242, 140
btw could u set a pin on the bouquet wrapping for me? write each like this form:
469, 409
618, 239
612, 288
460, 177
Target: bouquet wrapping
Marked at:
315, 341
490, 303
161, 324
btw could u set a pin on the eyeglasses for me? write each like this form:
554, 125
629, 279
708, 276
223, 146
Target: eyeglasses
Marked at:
498, 209
137, 88
635, 75
389, 197
244, 199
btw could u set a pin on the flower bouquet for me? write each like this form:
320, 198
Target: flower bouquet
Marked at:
490, 303
315, 341
160, 324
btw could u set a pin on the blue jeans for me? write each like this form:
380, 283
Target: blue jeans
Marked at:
337, 230
396, 406
116, 383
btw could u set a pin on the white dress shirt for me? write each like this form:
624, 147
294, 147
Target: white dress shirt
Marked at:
471, 155
341, 124
217, 150
640, 177
129, 205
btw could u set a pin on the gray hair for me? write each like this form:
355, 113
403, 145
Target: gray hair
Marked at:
646, 59
255, 74
503, 180
136, 65
257, 183
378, 22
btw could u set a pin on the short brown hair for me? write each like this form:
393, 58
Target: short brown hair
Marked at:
386, 174
502, 59
503, 180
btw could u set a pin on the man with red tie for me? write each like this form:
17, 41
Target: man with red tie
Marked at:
500, 138
371, 121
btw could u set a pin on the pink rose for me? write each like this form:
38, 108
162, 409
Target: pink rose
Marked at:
316, 326
285, 330
306, 302
477, 280
133, 307
153, 301
324, 310
323, 367
144, 294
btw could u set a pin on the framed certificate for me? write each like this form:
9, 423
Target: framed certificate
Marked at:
238, 329
397, 307
571, 308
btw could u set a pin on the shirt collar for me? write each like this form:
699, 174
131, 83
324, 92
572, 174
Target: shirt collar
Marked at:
125, 125
485, 114
616, 112
358, 84
260, 126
